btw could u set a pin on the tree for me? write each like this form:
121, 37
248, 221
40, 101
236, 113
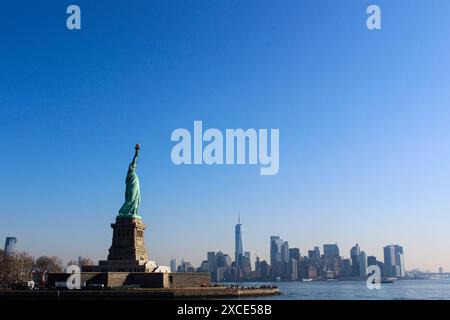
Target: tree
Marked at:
72, 262
48, 264
86, 262
5, 268
15, 268
81, 262
22, 266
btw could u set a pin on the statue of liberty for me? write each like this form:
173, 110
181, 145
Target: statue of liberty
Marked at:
132, 193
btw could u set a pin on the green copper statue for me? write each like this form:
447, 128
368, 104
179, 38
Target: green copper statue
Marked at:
132, 193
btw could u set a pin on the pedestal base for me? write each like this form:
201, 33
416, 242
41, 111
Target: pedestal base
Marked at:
122, 266
128, 240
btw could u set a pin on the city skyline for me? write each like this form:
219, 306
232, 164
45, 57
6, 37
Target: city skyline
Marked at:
362, 117
289, 264
390, 252
281, 256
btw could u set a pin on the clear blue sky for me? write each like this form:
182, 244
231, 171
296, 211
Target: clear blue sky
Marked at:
363, 118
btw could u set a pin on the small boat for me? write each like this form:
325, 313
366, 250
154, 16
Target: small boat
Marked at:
307, 280
388, 280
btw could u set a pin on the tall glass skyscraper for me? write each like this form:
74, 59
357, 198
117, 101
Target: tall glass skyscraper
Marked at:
400, 271
10, 246
277, 247
354, 255
394, 264
275, 250
363, 264
238, 248
389, 261
285, 252
173, 265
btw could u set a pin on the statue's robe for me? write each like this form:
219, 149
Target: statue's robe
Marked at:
132, 193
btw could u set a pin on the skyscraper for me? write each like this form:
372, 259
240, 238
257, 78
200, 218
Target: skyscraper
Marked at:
331, 256
257, 264
285, 260
317, 252
354, 256
314, 254
238, 249
389, 261
246, 264
173, 265
399, 261
204, 267
185, 266
371, 261
220, 259
10, 246
363, 264
211, 258
330, 251
292, 272
345, 268
275, 255
285, 252
275, 249
227, 259
294, 253
394, 265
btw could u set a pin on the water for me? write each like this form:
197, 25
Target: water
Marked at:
357, 290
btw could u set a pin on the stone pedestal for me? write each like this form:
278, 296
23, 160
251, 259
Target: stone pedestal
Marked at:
128, 265
127, 252
128, 240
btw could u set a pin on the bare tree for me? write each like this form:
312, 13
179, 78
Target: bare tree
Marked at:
86, 262
15, 268
72, 262
48, 264
81, 262
5, 268
22, 266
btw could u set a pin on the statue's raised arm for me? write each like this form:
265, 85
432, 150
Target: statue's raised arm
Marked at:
133, 163
130, 207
